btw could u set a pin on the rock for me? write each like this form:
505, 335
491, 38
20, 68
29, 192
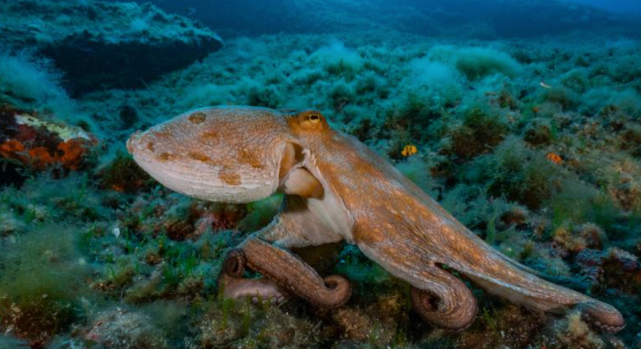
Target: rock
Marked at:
613, 268
538, 134
577, 238
36, 144
354, 324
119, 328
101, 45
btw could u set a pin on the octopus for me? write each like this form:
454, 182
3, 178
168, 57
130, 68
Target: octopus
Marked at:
335, 189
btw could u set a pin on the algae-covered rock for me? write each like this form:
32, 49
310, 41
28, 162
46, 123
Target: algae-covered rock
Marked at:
229, 326
101, 45
31, 142
42, 288
127, 330
123, 175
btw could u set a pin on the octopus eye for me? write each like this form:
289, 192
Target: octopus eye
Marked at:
311, 120
314, 118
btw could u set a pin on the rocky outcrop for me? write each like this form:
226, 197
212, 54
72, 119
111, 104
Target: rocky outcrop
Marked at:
100, 45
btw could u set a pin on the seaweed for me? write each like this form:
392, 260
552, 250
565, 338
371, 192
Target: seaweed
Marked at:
478, 134
42, 283
123, 174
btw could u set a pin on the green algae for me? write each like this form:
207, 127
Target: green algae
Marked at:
42, 283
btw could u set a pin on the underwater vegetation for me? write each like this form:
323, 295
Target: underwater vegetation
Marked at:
532, 143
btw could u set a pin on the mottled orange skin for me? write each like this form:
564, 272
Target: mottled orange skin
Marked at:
409, 234
367, 202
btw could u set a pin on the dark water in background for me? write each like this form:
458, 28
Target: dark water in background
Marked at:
619, 6
505, 18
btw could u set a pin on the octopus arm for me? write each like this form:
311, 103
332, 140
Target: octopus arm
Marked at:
438, 296
461, 250
267, 252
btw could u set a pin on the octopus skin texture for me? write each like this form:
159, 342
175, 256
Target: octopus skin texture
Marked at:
336, 189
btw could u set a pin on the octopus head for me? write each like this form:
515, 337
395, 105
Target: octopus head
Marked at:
221, 154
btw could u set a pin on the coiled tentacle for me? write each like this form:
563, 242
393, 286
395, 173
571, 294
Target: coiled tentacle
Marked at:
234, 264
448, 304
295, 275
438, 296
288, 271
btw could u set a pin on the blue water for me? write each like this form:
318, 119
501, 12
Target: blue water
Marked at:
618, 6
